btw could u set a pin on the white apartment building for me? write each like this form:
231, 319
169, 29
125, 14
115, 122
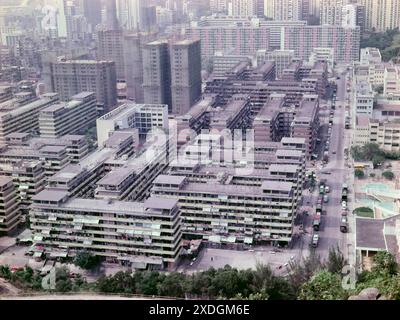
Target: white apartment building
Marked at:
23, 118
392, 80
384, 133
363, 98
73, 117
371, 67
144, 117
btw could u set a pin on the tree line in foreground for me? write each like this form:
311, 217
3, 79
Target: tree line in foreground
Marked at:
309, 279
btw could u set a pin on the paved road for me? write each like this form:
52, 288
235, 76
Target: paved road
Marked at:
330, 234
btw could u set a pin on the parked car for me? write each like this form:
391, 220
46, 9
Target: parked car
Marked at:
315, 240
326, 198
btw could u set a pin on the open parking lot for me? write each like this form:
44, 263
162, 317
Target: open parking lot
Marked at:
218, 258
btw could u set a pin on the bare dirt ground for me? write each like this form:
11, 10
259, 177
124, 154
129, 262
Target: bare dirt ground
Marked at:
8, 289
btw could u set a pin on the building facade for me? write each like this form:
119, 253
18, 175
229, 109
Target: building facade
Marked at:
70, 77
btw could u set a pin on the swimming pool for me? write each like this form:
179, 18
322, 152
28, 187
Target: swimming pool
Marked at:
371, 203
376, 186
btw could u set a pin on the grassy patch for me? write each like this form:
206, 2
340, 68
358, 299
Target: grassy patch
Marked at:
364, 212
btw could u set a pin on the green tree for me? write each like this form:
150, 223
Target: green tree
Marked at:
5, 272
378, 160
275, 288
173, 285
301, 271
389, 175
63, 281
336, 260
384, 262
147, 282
323, 286
121, 282
227, 283
86, 260
199, 283
359, 173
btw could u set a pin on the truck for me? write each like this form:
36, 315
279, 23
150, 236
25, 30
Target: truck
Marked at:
343, 224
316, 222
344, 192
347, 123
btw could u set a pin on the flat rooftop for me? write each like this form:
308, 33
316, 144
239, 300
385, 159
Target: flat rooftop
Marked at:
50, 195
277, 186
167, 179
160, 203
369, 233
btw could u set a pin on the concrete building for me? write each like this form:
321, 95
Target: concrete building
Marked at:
353, 15
6, 93
19, 116
139, 235
345, 42
260, 87
282, 59
286, 10
323, 55
110, 47
277, 120
185, 75
242, 8
143, 117
247, 36
381, 15
109, 19
363, 98
9, 210
384, 133
219, 6
392, 80
73, 117
225, 61
370, 55
221, 34
157, 73
209, 197
331, 12
29, 179
371, 67
104, 189
70, 77
235, 115
53, 154
133, 61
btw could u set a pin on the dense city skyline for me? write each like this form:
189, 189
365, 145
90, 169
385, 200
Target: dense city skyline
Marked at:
171, 137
